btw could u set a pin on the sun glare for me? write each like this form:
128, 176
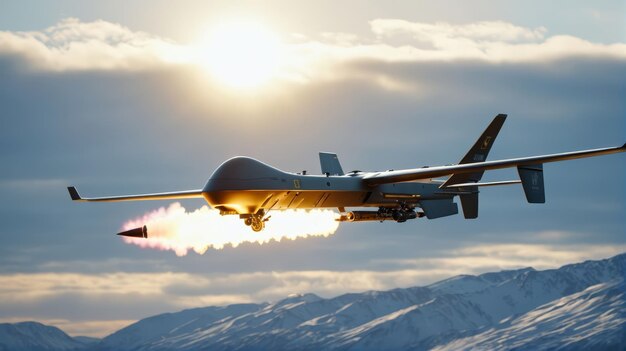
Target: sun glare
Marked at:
240, 54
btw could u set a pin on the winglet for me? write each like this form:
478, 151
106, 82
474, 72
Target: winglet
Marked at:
73, 193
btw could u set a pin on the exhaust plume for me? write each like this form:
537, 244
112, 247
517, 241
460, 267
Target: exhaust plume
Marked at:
173, 228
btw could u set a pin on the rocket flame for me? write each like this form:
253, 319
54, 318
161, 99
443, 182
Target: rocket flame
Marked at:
173, 228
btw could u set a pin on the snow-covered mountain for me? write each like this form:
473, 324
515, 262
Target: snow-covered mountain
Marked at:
33, 336
466, 309
593, 319
578, 306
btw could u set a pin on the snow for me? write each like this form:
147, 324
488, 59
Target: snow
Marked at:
578, 306
592, 319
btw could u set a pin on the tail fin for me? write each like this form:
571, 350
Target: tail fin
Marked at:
478, 153
532, 181
469, 202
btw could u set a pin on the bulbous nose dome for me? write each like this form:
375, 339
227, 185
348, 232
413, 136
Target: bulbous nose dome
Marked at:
231, 172
244, 168
239, 183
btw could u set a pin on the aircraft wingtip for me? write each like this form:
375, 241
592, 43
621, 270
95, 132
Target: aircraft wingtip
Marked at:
73, 193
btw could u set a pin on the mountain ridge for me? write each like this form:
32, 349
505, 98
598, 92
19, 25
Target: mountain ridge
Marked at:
35, 336
462, 312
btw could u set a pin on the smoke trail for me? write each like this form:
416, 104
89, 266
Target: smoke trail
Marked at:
173, 228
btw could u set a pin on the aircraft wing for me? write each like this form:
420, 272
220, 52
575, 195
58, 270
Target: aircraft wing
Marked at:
440, 171
187, 194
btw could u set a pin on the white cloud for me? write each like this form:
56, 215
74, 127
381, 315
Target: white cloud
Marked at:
399, 41
463, 48
438, 33
494, 257
74, 45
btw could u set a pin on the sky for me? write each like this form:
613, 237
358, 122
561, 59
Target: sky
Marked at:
118, 98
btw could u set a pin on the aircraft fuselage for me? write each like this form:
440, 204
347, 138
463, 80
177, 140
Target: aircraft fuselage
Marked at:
243, 185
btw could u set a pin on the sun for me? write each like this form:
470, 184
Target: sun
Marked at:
240, 54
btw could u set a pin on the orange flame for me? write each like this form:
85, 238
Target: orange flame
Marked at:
175, 229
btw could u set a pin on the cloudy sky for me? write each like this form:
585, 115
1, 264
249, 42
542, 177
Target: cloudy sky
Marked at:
152, 96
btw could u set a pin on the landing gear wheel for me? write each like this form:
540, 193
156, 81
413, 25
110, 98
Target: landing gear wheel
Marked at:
247, 221
257, 224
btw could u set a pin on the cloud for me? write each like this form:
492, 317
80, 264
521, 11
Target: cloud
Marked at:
72, 45
440, 32
402, 49
494, 257
401, 41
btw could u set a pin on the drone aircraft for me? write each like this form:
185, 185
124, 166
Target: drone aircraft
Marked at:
250, 189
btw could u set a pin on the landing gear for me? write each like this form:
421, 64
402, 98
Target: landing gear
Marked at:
255, 221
